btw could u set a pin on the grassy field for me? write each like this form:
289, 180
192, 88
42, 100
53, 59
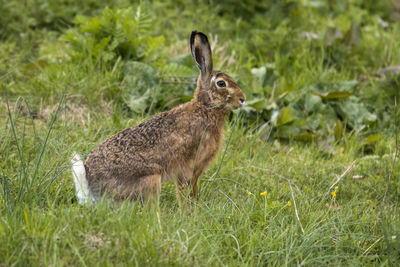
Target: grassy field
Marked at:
308, 173
243, 216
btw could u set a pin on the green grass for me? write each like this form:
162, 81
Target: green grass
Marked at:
46, 226
57, 97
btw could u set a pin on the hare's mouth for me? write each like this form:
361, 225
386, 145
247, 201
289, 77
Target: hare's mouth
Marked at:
240, 103
236, 105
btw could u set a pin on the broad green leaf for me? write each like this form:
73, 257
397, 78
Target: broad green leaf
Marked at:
305, 136
328, 115
312, 103
368, 145
338, 129
355, 113
260, 74
287, 131
346, 85
258, 104
313, 122
285, 116
138, 103
373, 138
333, 95
140, 83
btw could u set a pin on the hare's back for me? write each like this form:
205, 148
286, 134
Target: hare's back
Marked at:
148, 147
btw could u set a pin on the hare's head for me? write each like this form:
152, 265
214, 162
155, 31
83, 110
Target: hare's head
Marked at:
214, 88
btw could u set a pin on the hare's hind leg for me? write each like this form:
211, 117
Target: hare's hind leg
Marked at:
149, 187
193, 185
187, 188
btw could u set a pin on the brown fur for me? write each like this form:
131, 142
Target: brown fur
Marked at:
177, 144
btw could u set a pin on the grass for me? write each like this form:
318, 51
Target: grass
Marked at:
232, 224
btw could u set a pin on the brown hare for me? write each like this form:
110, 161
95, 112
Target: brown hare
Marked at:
177, 144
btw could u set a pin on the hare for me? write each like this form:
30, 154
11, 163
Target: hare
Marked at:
177, 144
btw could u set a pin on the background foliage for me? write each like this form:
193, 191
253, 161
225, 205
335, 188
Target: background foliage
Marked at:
309, 68
322, 72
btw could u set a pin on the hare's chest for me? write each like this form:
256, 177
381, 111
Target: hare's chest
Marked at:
208, 149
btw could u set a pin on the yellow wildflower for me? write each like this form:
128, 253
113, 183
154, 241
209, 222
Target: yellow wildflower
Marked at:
333, 194
263, 193
336, 188
289, 203
249, 193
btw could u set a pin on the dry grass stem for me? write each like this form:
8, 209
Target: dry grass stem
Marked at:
373, 244
352, 165
295, 206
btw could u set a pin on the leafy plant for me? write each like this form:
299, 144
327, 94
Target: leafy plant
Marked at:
140, 86
116, 33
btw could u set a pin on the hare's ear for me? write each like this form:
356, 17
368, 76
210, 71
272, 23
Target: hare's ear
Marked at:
201, 53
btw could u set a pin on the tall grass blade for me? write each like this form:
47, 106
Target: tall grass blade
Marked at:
53, 120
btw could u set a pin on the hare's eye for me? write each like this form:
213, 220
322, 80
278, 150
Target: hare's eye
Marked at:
221, 84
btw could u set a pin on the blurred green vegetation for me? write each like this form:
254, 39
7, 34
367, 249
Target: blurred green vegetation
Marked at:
310, 69
304, 65
72, 73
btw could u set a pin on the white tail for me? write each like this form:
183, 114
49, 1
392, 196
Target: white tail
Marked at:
81, 184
